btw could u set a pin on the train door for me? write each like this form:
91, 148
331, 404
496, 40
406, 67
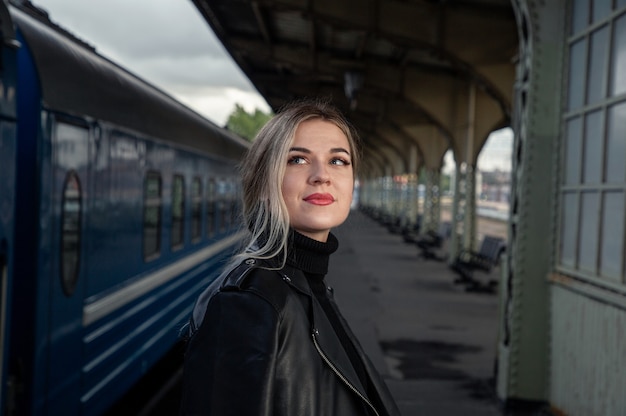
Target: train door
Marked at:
7, 220
8, 70
69, 191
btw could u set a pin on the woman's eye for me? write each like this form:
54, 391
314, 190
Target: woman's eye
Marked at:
296, 160
340, 162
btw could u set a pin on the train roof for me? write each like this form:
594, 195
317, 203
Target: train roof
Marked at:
77, 80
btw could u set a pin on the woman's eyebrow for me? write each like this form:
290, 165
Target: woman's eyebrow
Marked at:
332, 150
339, 150
299, 149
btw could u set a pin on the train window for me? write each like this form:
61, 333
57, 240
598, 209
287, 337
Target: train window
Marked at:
178, 211
210, 208
236, 196
196, 209
229, 204
70, 232
222, 202
152, 215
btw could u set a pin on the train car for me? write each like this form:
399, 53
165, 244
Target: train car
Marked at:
122, 204
8, 136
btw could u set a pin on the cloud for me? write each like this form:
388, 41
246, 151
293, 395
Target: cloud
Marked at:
498, 151
166, 42
495, 154
138, 28
217, 103
201, 71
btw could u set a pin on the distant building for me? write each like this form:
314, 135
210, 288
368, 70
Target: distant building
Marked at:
494, 186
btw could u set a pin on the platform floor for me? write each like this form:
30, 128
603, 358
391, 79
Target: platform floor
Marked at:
434, 342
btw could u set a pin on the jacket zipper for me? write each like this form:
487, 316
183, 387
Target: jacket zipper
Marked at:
341, 376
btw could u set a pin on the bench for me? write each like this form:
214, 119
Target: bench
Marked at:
411, 234
431, 242
394, 226
484, 260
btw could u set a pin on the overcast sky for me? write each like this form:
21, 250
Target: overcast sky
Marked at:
495, 155
167, 43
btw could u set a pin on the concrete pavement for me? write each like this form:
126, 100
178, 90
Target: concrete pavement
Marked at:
433, 342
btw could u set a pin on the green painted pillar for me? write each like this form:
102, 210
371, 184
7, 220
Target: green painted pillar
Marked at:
469, 214
432, 200
413, 200
469, 217
458, 205
523, 346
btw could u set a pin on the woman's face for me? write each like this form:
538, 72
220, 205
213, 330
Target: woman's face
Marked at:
318, 182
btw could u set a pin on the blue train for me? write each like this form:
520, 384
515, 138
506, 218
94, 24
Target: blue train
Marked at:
117, 206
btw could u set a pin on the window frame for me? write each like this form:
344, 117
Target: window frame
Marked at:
69, 282
211, 197
177, 212
196, 209
577, 193
152, 202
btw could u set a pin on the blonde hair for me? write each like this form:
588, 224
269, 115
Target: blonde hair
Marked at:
262, 170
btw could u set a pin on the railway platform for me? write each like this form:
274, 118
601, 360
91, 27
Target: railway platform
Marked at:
433, 342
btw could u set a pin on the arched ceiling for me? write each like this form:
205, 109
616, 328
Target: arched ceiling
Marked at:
435, 74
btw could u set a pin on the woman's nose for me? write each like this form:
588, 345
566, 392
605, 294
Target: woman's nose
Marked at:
320, 173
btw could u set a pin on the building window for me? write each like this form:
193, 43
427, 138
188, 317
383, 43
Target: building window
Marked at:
178, 211
210, 208
196, 209
152, 205
593, 175
71, 214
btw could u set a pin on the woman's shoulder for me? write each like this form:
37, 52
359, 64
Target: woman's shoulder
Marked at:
258, 278
249, 282
249, 270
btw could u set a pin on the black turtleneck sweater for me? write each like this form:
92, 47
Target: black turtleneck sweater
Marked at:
311, 256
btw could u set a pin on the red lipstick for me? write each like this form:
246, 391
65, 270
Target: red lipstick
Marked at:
320, 199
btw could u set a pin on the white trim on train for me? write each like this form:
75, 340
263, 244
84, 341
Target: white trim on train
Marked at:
108, 304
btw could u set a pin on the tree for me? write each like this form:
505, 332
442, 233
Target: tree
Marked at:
246, 124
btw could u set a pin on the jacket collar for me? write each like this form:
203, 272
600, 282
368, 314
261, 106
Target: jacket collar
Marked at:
296, 278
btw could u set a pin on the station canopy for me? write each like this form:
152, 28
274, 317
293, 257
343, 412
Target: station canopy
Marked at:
416, 77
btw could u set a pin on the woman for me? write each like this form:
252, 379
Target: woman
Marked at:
266, 337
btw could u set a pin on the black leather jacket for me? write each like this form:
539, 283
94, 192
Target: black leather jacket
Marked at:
258, 351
